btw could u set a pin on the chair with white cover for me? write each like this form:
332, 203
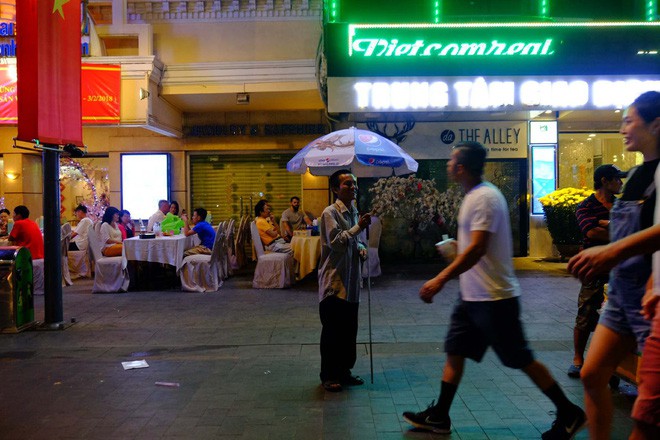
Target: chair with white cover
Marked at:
38, 276
274, 270
110, 275
202, 272
225, 261
79, 264
65, 240
371, 267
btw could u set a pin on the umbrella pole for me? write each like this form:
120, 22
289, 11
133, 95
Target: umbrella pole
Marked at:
371, 351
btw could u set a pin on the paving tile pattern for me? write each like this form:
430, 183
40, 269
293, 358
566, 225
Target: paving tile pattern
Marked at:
246, 362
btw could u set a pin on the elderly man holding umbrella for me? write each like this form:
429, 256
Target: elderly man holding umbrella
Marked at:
339, 282
346, 153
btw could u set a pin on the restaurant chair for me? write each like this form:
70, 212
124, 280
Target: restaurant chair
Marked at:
274, 269
38, 276
79, 264
202, 273
65, 240
240, 242
110, 273
38, 264
97, 227
371, 267
229, 249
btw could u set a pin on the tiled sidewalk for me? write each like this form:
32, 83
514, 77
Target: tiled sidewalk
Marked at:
247, 362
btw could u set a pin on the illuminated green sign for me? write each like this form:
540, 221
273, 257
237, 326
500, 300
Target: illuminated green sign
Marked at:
378, 47
354, 50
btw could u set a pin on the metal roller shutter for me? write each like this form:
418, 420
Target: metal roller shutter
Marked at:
230, 185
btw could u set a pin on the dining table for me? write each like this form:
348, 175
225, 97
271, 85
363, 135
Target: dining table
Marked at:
166, 249
306, 251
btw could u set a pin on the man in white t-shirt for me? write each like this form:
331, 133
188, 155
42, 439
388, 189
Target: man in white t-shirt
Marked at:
79, 234
158, 216
488, 312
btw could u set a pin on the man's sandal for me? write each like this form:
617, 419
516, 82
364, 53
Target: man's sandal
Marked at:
332, 386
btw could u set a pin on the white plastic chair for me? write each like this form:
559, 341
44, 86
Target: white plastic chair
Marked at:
109, 273
274, 269
371, 267
201, 272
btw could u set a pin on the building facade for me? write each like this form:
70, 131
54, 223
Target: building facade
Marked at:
230, 90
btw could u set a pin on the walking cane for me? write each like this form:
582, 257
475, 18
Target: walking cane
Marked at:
371, 351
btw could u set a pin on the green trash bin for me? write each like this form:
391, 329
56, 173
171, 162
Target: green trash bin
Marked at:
16, 298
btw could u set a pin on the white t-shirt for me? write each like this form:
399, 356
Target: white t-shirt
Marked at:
492, 278
108, 232
157, 216
82, 230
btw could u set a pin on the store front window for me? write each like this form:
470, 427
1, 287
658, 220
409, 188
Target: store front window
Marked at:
230, 185
579, 154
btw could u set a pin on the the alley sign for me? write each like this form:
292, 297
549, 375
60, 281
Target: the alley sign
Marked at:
434, 140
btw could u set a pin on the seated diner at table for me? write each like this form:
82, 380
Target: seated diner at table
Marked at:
174, 208
79, 234
293, 218
158, 216
110, 234
269, 231
26, 233
204, 231
4, 222
126, 225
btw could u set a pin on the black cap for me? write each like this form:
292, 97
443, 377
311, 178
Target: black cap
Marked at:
609, 172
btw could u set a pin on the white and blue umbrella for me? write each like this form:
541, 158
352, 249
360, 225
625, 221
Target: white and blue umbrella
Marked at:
365, 153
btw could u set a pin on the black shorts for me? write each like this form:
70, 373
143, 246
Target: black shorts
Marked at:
590, 300
477, 325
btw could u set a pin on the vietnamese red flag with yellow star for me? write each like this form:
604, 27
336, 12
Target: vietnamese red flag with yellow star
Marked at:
48, 61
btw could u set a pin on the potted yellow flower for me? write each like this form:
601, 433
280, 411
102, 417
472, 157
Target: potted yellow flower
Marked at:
559, 208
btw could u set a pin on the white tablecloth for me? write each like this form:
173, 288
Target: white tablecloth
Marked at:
306, 251
167, 250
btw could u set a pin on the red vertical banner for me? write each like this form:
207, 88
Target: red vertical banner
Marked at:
48, 68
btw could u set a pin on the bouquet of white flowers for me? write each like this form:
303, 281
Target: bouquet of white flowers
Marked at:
412, 199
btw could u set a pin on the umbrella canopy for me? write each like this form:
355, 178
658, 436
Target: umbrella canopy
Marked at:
365, 153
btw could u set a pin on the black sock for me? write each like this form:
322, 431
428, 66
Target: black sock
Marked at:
559, 399
447, 393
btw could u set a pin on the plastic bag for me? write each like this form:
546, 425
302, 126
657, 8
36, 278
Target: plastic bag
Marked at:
172, 223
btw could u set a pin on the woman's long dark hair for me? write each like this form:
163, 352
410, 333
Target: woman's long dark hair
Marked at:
109, 213
175, 203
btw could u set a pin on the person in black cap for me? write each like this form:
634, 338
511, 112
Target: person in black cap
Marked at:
593, 216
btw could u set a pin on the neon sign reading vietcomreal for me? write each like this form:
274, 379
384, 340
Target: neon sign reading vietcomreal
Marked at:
378, 47
468, 94
460, 40
492, 49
